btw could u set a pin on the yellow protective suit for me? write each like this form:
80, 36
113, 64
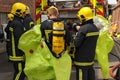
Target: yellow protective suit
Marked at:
104, 45
40, 64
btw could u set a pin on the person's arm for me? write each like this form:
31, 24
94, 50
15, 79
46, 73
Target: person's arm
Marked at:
80, 37
42, 29
67, 36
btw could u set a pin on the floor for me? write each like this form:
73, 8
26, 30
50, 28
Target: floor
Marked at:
6, 68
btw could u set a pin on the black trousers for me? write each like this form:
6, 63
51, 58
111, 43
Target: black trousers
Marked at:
85, 73
18, 70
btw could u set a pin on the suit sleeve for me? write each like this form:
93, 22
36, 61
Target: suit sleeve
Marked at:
80, 37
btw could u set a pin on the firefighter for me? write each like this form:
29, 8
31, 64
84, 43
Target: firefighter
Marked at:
85, 44
14, 30
28, 21
57, 38
47, 25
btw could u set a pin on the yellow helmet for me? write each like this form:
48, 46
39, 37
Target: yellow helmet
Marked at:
18, 9
27, 10
10, 16
85, 14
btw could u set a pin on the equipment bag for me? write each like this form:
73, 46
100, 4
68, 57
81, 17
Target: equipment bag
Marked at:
58, 42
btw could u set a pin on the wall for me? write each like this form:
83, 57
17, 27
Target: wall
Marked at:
5, 7
116, 16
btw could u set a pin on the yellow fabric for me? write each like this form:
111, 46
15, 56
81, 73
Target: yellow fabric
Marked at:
40, 64
104, 45
20, 71
62, 67
80, 74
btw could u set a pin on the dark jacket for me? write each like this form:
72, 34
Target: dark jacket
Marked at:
47, 25
28, 22
1, 35
86, 44
14, 30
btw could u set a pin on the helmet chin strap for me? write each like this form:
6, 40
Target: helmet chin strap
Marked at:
82, 18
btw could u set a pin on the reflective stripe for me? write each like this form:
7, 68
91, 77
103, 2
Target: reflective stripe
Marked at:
11, 29
92, 34
60, 32
80, 74
58, 26
20, 71
24, 28
7, 39
31, 23
13, 43
14, 58
46, 34
84, 63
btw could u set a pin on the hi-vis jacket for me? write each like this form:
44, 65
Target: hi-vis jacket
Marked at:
40, 63
14, 30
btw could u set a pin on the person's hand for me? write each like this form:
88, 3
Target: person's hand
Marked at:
74, 36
